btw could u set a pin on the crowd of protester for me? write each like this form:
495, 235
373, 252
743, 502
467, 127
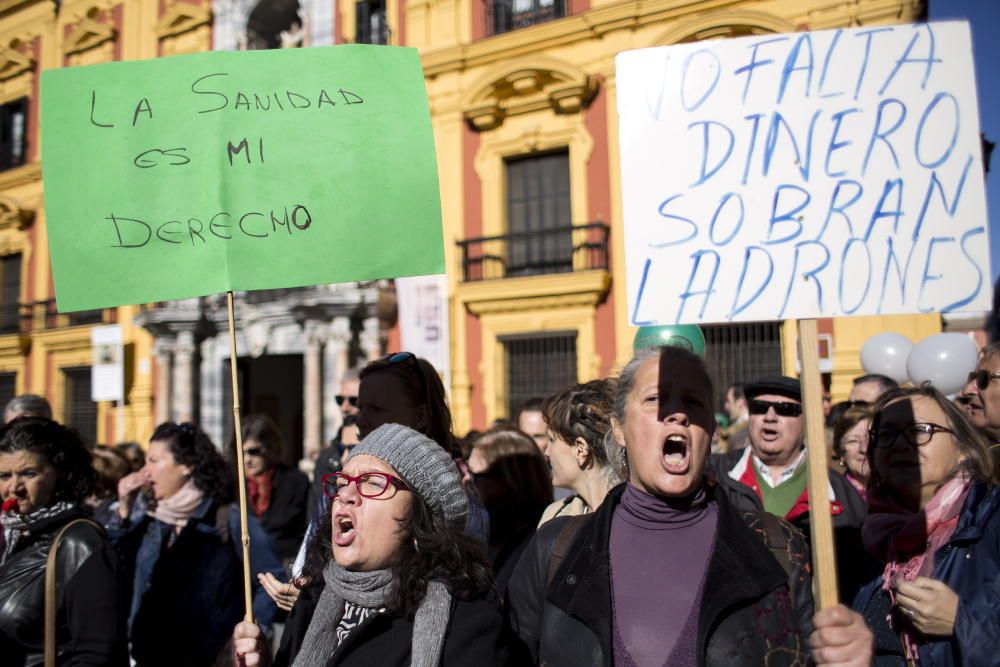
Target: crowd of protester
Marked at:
620, 521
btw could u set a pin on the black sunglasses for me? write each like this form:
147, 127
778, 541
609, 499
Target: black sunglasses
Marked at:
781, 408
353, 400
983, 378
254, 451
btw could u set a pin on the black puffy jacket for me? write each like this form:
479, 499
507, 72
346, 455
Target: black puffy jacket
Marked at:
90, 628
756, 606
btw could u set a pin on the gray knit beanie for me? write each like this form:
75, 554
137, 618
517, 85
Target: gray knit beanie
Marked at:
424, 465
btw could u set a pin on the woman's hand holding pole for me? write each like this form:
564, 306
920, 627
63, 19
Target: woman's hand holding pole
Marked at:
250, 646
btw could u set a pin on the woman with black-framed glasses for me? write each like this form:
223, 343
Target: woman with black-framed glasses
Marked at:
393, 577
934, 522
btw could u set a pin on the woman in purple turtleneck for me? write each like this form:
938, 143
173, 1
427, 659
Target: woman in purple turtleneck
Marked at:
666, 572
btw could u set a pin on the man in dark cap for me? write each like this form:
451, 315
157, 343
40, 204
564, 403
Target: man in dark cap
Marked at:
772, 473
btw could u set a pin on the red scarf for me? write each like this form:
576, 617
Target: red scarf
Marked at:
907, 541
259, 489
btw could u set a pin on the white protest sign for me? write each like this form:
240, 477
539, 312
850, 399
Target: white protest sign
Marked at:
107, 379
803, 175
423, 320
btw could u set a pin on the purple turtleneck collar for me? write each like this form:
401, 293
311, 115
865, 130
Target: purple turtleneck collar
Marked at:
643, 510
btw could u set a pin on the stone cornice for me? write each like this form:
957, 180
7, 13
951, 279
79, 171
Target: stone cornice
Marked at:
631, 14
10, 6
557, 290
589, 24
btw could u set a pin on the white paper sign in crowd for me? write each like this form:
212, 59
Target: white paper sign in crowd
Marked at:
803, 175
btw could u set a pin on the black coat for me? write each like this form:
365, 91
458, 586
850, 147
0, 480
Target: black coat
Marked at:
90, 627
475, 637
756, 606
855, 566
286, 518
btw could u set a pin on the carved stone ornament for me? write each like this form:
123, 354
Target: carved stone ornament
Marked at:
13, 62
13, 216
181, 17
88, 33
528, 86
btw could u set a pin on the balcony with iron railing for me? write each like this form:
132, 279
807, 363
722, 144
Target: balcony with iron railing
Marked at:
506, 15
540, 252
23, 318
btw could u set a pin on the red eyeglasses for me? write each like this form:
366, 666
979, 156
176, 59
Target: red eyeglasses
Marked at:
368, 484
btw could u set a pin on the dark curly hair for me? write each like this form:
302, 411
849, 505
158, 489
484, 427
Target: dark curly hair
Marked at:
583, 411
190, 446
432, 550
60, 446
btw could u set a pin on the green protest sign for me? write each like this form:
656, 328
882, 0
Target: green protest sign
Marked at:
190, 175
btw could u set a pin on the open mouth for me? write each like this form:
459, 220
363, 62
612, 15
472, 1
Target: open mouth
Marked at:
343, 530
675, 453
769, 434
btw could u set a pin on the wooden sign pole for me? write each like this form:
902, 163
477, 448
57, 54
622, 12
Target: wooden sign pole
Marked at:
820, 519
241, 477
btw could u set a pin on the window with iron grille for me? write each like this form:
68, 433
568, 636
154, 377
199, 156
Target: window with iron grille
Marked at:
538, 365
79, 410
741, 353
371, 26
8, 387
506, 15
538, 215
10, 293
13, 120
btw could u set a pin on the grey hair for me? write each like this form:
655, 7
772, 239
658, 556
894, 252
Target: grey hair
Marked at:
29, 404
617, 460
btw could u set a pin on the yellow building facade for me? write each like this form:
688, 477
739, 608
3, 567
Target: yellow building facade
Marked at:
523, 105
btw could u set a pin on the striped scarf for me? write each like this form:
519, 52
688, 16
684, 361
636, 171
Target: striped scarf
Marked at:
16, 526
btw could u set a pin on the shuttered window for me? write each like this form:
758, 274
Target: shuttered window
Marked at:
79, 410
8, 387
13, 122
539, 217
10, 293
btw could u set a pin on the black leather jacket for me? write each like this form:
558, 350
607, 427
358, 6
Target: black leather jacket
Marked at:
89, 627
756, 606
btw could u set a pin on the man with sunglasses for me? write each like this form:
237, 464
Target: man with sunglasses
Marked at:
772, 474
980, 398
328, 460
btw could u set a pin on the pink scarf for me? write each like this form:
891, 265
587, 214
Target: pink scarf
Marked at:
907, 541
177, 509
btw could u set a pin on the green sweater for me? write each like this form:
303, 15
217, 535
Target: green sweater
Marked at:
780, 499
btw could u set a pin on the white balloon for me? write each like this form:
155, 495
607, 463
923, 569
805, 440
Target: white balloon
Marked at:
945, 360
886, 354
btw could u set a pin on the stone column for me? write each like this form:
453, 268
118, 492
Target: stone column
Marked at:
370, 343
334, 365
183, 408
163, 373
210, 409
313, 389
